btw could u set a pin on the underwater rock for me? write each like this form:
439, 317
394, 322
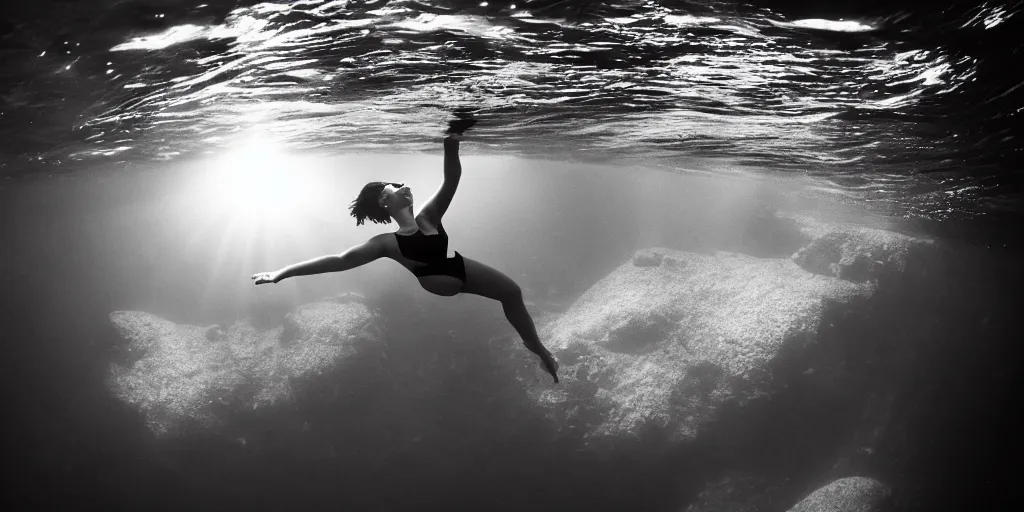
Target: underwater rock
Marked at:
853, 494
644, 258
853, 252
182, 376
667, 346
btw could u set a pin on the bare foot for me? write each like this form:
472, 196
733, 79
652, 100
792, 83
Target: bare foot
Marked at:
550, 365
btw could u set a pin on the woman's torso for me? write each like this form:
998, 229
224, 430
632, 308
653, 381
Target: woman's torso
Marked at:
427, 246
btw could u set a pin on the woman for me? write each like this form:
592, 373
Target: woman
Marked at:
421, 245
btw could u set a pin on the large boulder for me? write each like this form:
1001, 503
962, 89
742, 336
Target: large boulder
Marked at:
853, 494
854, 252
670, 336
181, 376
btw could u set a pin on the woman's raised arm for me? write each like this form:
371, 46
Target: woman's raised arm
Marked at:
438, 203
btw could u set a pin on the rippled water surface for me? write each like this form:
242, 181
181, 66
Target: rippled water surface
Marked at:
913, 108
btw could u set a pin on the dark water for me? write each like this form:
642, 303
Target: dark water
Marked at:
900, 109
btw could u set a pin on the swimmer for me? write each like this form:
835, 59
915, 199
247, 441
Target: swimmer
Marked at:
420, 244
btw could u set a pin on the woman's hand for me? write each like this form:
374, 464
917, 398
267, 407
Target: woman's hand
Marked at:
459, 126
265, 277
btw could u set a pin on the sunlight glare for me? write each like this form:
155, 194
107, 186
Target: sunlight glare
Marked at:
258, 182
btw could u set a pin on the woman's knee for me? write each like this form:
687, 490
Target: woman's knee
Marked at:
510, 293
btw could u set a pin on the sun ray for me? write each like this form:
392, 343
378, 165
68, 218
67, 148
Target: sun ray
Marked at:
256, 189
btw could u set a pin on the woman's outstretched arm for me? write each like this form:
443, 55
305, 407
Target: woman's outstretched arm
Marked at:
355, 256
435, 207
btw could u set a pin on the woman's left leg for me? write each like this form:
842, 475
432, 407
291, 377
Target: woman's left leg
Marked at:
489, 282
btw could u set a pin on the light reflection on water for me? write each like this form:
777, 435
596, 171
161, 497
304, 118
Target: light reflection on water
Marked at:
637, 81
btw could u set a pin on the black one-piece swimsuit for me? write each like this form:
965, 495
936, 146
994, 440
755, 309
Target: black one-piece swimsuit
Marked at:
432, 252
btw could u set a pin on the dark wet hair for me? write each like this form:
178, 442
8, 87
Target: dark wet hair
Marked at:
367, 205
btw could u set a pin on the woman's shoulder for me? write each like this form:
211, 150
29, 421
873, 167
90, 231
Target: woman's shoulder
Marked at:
386, 243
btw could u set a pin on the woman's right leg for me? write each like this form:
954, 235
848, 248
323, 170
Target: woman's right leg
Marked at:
489, 282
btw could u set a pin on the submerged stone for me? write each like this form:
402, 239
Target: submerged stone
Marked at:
182, 376
667, 342
853, 252
853, 494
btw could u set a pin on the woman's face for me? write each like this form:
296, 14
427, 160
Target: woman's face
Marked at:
396, 196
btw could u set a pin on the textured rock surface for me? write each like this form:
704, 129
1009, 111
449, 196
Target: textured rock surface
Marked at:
181, 375
852, 252
669, 336
854, 494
